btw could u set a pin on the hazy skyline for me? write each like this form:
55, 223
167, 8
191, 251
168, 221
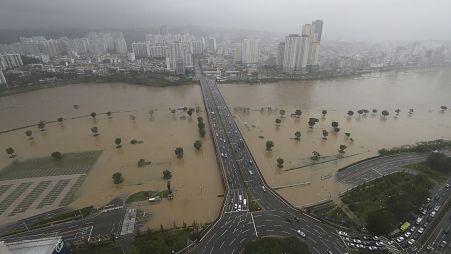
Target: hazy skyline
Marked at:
343, 19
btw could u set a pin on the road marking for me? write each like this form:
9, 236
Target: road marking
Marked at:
89, 237
253, 222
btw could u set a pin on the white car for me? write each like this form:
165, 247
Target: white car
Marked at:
412, 229
411, 241
436, 208
250, 172
343, 233
301, 233
432, 213
407, 234
421, 230
400, 239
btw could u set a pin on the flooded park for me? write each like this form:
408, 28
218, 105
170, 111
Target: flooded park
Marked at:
196, 178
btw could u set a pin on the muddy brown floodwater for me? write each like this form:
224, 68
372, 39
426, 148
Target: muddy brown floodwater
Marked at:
196, 178
423, 90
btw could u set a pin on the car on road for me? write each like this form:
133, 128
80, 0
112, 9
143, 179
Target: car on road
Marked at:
301, 233
426, 224
343, 233
263, 188
411, 241
372, 248
432, 213
443, 244
419, 220
400, 239
328, 252
447, 186
407, 234
421, 230
412, 229
436, 208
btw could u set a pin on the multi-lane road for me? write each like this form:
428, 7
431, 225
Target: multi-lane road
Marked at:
237, 225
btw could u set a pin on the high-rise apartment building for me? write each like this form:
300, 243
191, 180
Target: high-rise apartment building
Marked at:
249, 51
280, 52
141, 49
198, 47
8, 61
210, 44
157, 49
315, 39
3, 82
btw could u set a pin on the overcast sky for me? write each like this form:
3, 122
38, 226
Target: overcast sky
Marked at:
343, 19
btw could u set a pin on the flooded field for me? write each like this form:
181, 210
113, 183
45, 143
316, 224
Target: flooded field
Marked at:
422, 90
196, 177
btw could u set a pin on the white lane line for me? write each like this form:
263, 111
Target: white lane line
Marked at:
89, 237
252, 216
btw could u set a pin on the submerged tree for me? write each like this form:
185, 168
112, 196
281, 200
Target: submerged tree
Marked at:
325, 134
60, 120
335, 126
117, 178
282, 112
197, 144
269, 145
190, 112
167, 174
109, 114
298, 112
179, 152
118, 142
202, 132
95, 131
280, 162
374, 111
342, 149
57, 155
10, 152
29, 133
278, 121
132, 117
324, 112
350, 113
312, 121
297, 135
385, 113
315, 156
41, 125
93, 115
397, 111
348, 134
443, 108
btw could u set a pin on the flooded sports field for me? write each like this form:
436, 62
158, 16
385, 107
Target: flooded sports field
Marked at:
302, 183
195, 178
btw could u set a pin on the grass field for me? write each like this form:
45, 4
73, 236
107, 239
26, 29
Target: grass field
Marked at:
144, 195
388, 201
435, 175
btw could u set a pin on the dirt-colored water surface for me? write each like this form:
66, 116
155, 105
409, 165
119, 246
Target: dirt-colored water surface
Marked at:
196, 177
422, 90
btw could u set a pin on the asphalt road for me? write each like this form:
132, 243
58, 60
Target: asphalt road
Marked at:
369, 170
243, 180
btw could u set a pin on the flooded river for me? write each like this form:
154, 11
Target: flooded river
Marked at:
422, 90
196, 178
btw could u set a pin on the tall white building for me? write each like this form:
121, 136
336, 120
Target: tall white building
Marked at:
8, 61
141, 49
210, 44
249, 51
198, 47
292, 43
157, 49
3, 82
315, 39
120, 46
178, 57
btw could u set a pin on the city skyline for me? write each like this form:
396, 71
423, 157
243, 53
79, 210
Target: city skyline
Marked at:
369, 20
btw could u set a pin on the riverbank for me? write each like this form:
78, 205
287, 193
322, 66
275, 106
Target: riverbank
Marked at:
154, 80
